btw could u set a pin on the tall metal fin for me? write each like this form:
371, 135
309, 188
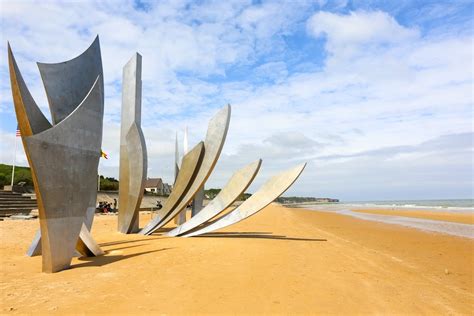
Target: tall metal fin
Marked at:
133, 155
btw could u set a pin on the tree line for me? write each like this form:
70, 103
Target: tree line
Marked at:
23, 174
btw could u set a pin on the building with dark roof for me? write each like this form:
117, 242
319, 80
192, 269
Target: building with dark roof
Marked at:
157, 186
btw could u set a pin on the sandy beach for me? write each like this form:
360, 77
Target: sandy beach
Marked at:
463, 218
280, 261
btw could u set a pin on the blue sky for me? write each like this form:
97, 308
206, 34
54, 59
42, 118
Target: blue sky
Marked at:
375, 95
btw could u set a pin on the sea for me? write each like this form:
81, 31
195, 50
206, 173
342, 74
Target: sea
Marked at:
448, 205
457, 205
438, 204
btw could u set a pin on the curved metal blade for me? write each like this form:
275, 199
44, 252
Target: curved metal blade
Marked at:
30, 118
67, 83
215, 138
237, 184
189, 168
272, 189
137, 167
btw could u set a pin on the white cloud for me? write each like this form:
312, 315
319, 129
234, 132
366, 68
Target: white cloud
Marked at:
359, 27
381, 84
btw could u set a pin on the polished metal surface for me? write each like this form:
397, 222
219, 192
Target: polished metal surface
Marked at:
182, 216
63, 160
35, 247
30, 121
133, 155
30, 118
67, 83
75, 145
272, 189
189, 169
237, 185
86, 245
215, 138
176, 159
198, 202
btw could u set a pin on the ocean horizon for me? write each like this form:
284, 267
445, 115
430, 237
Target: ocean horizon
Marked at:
401, 210
435, 204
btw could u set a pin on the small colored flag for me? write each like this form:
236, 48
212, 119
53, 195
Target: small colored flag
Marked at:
103, 154
18, 133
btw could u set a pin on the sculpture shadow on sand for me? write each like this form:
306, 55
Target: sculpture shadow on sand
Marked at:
106, 260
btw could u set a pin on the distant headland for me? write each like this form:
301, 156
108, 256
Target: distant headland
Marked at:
302, 199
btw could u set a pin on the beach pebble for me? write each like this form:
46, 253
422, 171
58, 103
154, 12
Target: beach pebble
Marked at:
446, 271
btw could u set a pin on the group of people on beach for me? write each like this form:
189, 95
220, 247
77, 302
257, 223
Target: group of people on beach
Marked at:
106, 207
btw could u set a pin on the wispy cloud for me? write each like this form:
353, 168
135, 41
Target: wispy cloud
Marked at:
343, 85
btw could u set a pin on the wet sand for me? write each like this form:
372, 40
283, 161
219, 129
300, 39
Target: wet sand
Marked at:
280, 261
454, 217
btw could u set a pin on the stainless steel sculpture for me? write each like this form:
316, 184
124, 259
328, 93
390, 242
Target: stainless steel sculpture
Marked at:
215, 138
198, 202
35, 247
65, 194
86, 245
63, 157
272, 189
181, 218
133, 156
237, 184
189, 169
68, 83
176, 159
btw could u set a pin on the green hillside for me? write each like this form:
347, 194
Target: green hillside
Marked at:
22, 174
211, 194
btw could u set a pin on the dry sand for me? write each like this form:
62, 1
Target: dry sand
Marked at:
282, 261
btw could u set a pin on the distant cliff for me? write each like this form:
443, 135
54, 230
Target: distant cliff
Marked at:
302, 199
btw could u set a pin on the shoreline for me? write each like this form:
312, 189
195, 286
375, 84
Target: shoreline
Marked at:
456, 223
339, 206
445, 216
